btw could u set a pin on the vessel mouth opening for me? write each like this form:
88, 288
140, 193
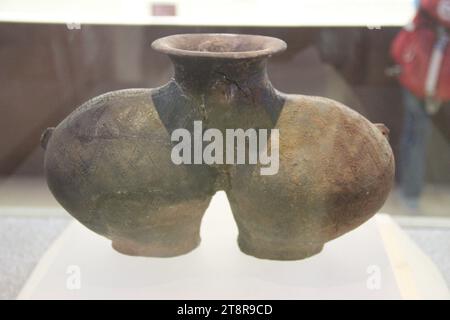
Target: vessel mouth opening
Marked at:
220, 45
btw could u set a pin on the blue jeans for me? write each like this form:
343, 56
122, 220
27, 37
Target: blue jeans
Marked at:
413, 145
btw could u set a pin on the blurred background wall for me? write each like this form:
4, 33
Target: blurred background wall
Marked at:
47, 70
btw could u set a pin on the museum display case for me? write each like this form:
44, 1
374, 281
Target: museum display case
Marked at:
250, 149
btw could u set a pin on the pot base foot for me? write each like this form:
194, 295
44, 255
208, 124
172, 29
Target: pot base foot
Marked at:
275, 251
132, 248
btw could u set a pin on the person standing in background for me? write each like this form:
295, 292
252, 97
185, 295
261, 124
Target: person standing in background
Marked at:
422, 52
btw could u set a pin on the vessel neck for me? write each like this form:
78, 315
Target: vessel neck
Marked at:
221, 76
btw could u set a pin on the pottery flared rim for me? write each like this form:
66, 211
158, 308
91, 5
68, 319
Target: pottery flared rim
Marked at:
219, 45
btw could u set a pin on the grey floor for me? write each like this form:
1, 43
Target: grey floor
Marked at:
23, 240
435, 242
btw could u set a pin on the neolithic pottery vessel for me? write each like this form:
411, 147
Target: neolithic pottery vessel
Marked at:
109, 162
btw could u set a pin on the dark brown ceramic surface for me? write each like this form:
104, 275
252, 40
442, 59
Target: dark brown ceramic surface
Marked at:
109, 164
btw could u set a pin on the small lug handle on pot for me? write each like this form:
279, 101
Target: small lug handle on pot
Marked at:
383, 129
45, 137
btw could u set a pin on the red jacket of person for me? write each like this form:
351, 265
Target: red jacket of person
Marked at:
415, 45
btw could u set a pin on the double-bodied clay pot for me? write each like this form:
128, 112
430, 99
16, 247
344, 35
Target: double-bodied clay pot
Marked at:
109, 162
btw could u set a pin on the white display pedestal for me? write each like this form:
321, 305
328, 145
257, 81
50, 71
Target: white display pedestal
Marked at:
360, 265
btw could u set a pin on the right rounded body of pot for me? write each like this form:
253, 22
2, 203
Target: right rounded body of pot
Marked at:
335, 171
